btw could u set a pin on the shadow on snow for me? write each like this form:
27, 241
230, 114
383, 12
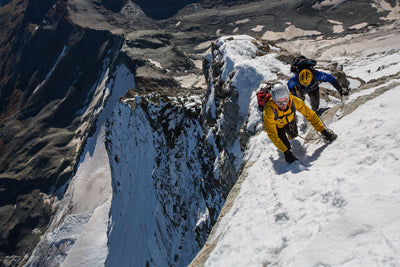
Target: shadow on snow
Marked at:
281, 166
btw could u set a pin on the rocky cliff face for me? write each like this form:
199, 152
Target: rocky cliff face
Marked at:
164, 184
53, 59
48, 69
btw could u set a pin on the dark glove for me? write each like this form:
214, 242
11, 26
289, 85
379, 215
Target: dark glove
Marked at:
344, 91
289, 157
329, 135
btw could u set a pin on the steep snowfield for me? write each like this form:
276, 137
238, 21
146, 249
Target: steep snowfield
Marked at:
339, 205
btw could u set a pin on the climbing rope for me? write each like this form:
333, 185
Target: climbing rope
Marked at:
310, 139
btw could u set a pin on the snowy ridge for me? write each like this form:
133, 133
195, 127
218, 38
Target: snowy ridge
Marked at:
239, 55
337, 206
236, 69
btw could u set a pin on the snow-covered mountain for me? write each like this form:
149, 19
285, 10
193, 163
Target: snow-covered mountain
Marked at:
338, 205
171, 169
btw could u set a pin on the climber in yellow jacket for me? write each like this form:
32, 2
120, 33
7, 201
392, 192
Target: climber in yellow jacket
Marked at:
279, 115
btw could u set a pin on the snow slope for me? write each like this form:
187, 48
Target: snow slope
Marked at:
339, 205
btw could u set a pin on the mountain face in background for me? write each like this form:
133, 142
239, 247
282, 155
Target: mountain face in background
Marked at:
58, 66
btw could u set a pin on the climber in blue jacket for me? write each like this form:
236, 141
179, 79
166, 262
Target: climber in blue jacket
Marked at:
306, 81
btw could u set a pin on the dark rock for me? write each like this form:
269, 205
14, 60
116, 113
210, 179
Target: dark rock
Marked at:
162, 9
46, 79
114, 5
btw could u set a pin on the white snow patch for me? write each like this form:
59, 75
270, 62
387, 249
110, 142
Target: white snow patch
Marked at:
382, 5
338, 28
258, 28
192, 81
289, 33
156, 63
203, 45
51, 70
359, 26
335, 22
55, 64
319, 5
243, 21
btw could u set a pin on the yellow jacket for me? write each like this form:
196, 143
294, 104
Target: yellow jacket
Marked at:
284, 117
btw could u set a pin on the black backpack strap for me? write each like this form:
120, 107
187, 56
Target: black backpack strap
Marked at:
292, 108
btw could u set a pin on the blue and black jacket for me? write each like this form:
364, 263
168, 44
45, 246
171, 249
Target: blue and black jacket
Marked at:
318, 77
